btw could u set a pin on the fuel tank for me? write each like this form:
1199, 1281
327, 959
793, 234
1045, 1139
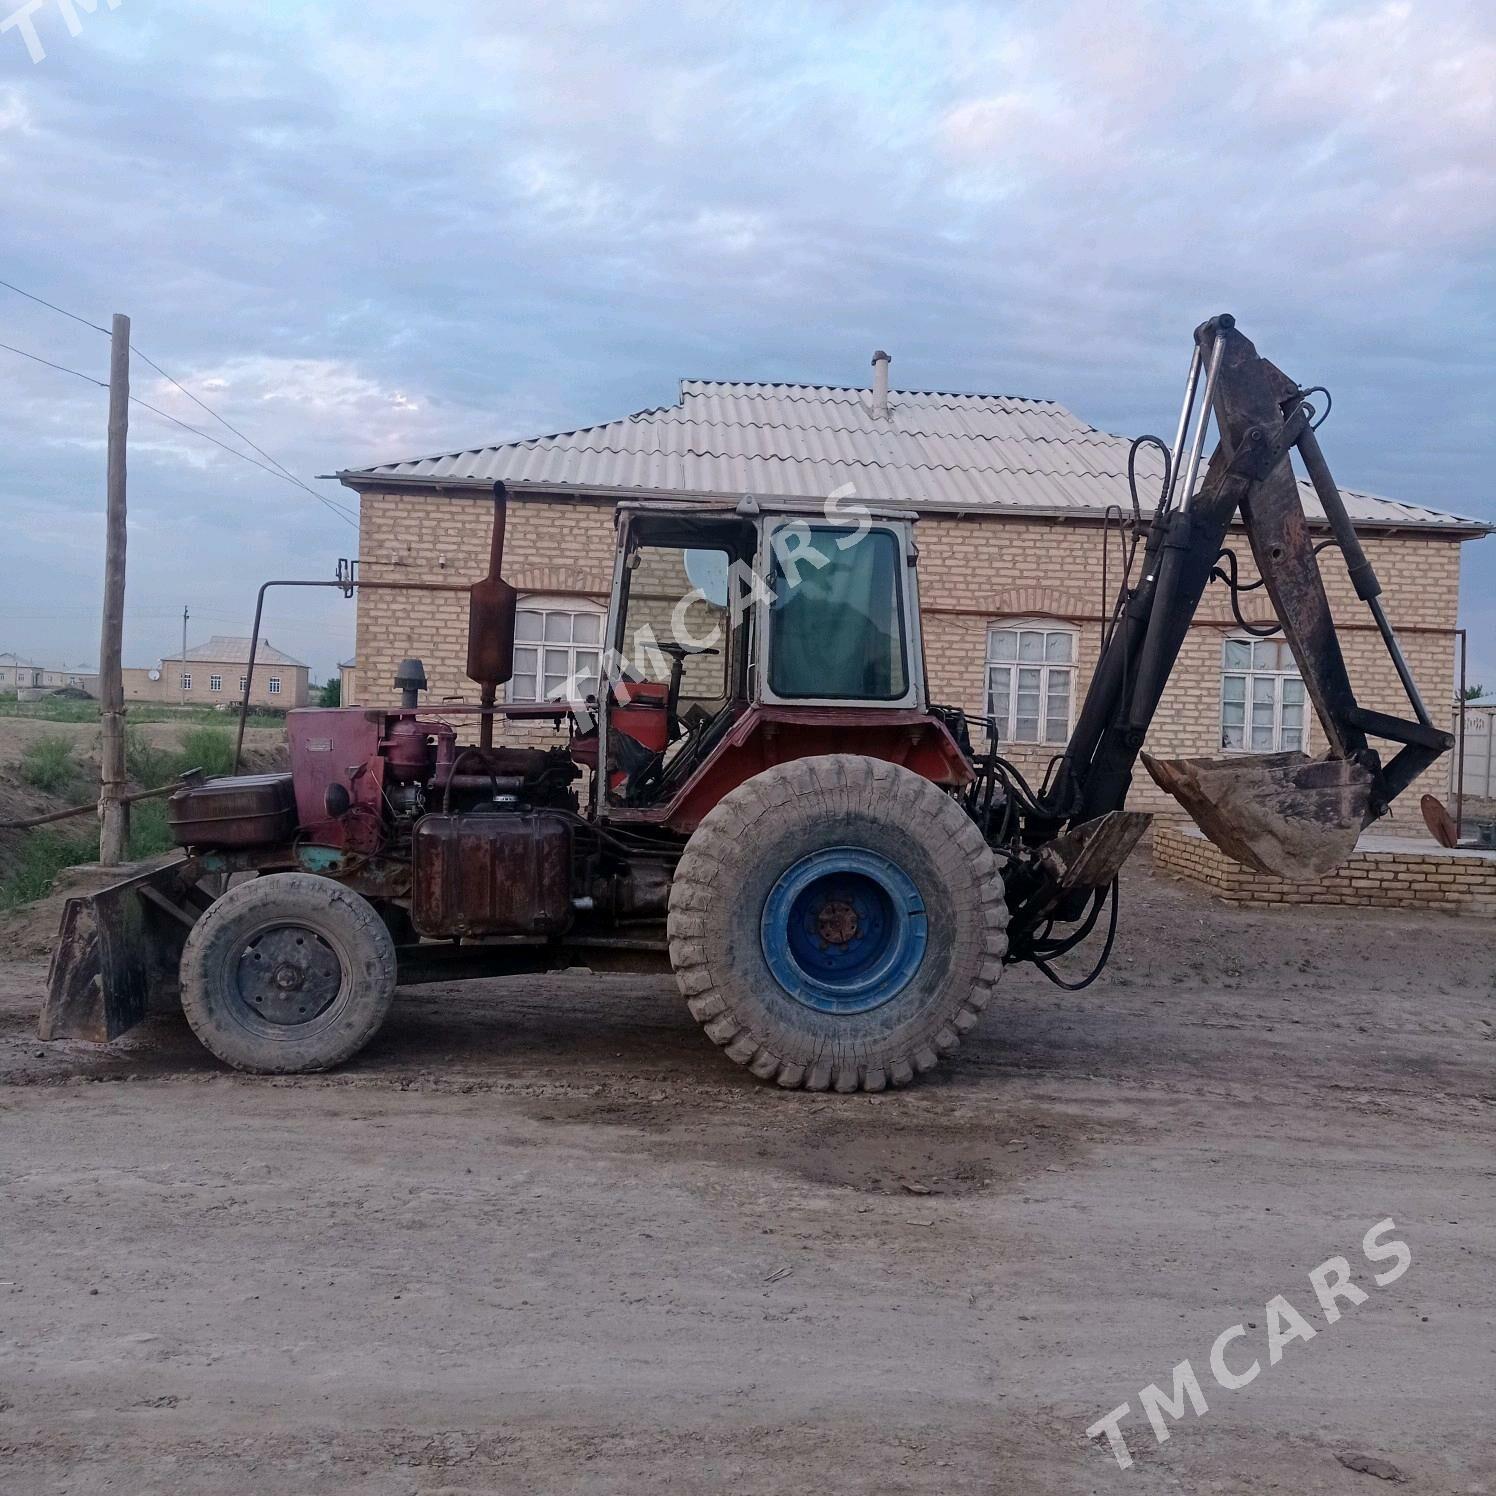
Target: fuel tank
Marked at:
248, 810
491, 873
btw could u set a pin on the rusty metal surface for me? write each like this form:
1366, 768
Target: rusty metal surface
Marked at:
491, 874
641, 954
491, 608
1441, 825
248, 810
114, 949
338, 746
1091, 855
1284, 814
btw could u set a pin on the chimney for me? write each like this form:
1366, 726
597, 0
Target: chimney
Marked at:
881, 361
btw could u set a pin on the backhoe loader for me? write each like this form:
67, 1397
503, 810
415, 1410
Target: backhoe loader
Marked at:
757, 792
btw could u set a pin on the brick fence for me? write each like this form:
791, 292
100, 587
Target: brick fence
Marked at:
1384, 871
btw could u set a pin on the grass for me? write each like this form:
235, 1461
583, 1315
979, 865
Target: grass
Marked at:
149, 833
44, 854
50, 709
210, 749
48, 765
205, 714
46, 851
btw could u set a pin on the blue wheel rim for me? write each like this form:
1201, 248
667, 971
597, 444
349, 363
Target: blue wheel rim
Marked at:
844, 930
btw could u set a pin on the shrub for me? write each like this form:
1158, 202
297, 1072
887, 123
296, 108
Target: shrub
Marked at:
48, 764
44, 854
147, 765
150, 833
210, 749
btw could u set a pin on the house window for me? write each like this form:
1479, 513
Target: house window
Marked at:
1262, 697
215, 683
551, 646
1030, 681
243, 681
186, 681
275, 685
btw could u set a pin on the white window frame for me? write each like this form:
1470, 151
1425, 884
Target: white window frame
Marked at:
529, 680
1263, 685
1050, 667
275, 685
243, 681
215, 683
186, 681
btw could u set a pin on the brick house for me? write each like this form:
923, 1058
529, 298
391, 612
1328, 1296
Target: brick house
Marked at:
17, 674
1012, 495
213, 674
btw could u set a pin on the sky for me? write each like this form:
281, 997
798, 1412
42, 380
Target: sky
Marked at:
364, 232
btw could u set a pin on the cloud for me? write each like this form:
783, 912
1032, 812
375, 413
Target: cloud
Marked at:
377, 231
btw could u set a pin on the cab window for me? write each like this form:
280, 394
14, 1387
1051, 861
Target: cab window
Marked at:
837, 629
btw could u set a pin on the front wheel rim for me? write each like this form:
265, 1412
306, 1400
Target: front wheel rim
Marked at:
287, 975
844, 930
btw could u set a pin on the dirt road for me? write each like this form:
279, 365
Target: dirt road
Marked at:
542, 1238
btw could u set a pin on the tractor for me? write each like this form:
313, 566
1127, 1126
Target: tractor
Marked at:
756, 792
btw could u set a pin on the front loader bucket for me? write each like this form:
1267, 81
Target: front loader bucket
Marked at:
117, 945
1284, 814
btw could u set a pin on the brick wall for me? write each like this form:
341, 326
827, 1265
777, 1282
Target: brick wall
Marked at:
972, 571
294, 684
1407, 877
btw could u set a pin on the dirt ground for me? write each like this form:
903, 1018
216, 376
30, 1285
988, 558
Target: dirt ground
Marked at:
542, 1237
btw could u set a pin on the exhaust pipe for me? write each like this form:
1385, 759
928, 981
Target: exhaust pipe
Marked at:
491, 608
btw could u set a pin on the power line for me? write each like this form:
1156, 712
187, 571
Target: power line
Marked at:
61, 310
338, 510
344, 515
61, 368
321, 498
277, 469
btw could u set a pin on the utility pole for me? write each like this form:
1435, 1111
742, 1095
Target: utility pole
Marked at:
114, 814
182, 673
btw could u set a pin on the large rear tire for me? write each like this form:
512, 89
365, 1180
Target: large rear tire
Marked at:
837, 922
287, 973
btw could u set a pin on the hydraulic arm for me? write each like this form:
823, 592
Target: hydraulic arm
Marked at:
1281, 813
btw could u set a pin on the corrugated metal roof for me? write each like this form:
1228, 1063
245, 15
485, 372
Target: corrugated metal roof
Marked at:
934, 450
226, 649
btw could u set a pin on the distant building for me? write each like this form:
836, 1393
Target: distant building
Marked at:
347, 683
213, 674
17, 674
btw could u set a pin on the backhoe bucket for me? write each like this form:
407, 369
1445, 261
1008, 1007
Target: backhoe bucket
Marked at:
1284, 814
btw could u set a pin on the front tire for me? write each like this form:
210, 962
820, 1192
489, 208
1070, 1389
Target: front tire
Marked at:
287, 973
837, 922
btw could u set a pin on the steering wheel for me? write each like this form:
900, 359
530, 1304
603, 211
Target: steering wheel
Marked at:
678, 653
